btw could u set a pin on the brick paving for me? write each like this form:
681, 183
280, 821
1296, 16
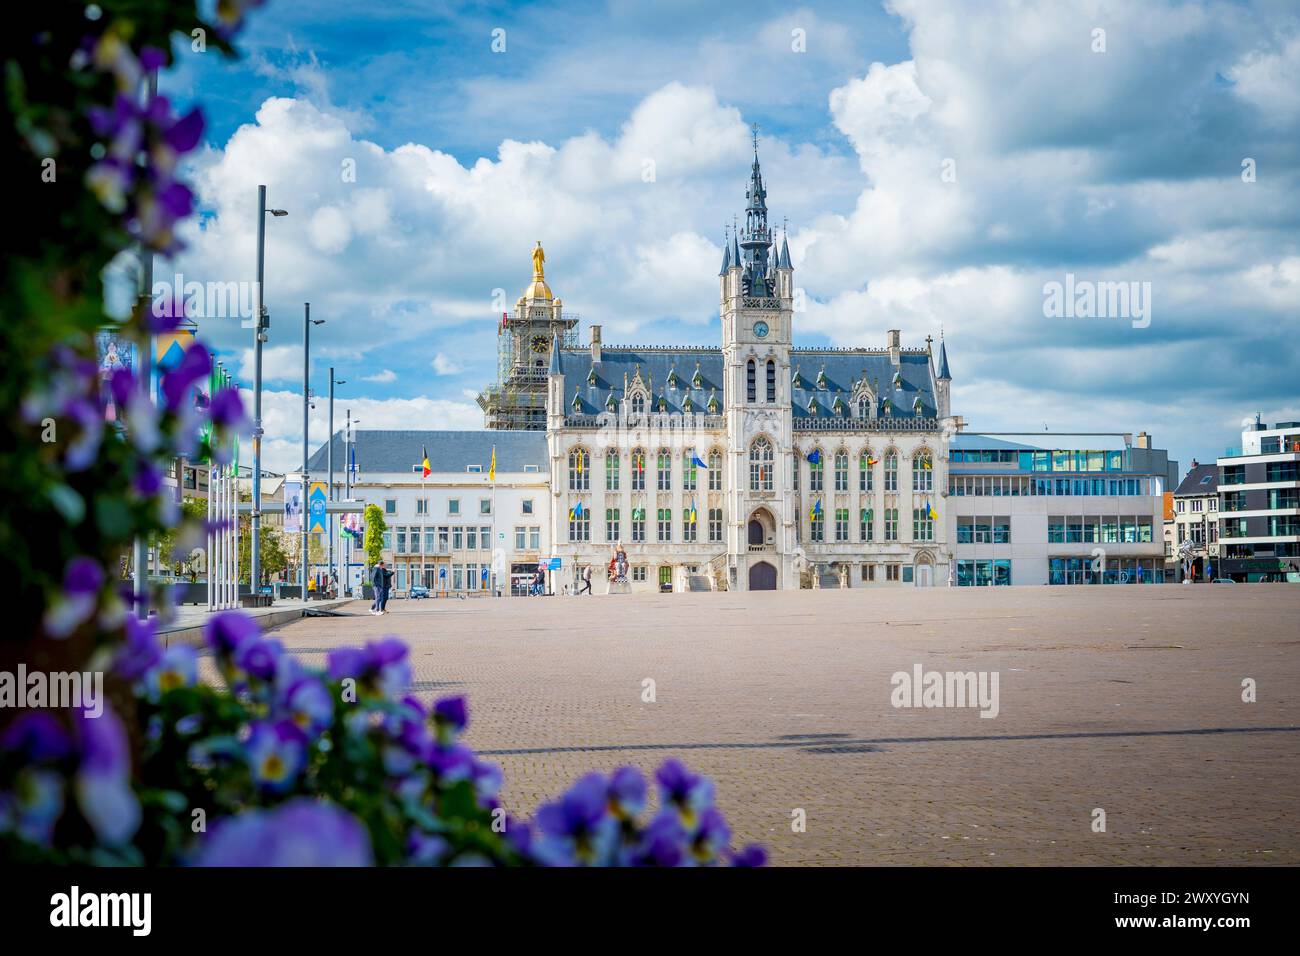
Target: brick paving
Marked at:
1121, 698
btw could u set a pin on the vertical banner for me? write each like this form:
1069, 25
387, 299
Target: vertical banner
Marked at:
113, 351
316, 499
293, 504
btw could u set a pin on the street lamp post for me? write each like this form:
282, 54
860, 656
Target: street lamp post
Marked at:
307, 323
348, 464
260, 326
330, 459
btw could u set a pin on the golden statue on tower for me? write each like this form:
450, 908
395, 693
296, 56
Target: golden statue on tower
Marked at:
539, 257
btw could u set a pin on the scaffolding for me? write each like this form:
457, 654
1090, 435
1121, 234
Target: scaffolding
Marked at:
517, 400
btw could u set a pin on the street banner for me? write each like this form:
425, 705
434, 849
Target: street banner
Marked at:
293, 507
316, 499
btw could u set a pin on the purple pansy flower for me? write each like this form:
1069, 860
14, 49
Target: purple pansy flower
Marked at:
81, 583
308, 704
140, 651
34, 806
103, 780
276, 752
302, 832
711, 836
89, 419
689, 793
259, 658
38, 736
194, 366
627, 792
226, 409
229, 630
178, 667
576, 829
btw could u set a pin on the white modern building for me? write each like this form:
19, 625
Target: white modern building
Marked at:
1259, 505
1027, 514
462, 529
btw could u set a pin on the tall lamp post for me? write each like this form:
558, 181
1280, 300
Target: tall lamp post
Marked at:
307, 323
260, 326
349, 464
330, 457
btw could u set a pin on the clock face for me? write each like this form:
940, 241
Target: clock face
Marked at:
540, 344
760, 329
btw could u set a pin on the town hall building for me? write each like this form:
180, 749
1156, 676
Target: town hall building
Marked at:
752, 464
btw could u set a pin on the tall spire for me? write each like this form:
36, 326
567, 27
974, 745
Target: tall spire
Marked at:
756, 238
726, 253
943, 362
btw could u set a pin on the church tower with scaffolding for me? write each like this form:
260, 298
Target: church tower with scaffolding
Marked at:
524, 342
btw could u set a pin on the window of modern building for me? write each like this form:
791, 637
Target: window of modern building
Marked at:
760, 465
841, 470
526, 506
664, 470
579, 470
611, 470
983, 572
390, 506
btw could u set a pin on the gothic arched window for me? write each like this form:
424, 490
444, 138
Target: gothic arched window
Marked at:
760, 465
579, 470
751, 382
771, 380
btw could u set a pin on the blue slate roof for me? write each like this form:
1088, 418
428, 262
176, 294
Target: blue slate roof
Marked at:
823, 389
449, 451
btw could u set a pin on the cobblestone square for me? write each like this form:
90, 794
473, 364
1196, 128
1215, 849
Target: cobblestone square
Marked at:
1127, 699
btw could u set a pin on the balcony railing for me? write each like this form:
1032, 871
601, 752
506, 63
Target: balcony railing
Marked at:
836, 424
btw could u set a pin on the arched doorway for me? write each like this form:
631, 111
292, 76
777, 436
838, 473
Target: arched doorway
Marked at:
762, 577
757, 534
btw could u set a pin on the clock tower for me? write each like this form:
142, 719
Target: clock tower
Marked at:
524, 343
756, 286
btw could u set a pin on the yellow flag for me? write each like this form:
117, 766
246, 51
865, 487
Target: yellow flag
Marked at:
492, 468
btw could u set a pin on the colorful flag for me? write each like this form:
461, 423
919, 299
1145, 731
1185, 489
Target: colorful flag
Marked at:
690, 515
872, 461
492, 468
638, 514
579, 456
575, 512
698, 462
925, 464
816, 510
929, 510
425, 463
815, 456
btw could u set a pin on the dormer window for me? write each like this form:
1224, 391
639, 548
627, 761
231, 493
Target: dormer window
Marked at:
611, 403
898, 380
577, 401
688, 405
697, 380
713, 404
672, 378
839, 406
638, 403
916, 405
812, 407
663, 403
591, 378
821, 379
888, 406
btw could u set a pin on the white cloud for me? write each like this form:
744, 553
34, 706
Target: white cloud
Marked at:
445, 366
385, 376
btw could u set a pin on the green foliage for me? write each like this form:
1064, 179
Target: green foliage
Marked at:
375, 528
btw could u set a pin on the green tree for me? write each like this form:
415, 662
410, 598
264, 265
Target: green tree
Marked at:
193, 511
375, 528
274, 557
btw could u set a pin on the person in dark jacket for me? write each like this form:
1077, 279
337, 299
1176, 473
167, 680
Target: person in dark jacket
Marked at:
377, 581
388, 589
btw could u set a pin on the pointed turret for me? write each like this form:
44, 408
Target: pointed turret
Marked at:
783, 262
726, 258
555, 355
943, 363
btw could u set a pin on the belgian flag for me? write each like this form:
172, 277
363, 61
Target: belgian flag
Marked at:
424, 463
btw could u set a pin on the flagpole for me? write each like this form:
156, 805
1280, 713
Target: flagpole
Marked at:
492, 477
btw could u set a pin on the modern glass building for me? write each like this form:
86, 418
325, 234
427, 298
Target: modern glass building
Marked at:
1259, 505
1028, 514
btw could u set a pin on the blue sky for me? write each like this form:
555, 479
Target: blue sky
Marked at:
938, 163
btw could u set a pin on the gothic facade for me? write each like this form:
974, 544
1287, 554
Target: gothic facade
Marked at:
750, 465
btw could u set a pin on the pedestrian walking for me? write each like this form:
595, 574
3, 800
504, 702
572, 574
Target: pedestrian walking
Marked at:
388, 588
586, 580
377, 583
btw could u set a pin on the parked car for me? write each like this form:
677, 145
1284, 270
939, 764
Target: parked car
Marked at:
1223, 581
419, 591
